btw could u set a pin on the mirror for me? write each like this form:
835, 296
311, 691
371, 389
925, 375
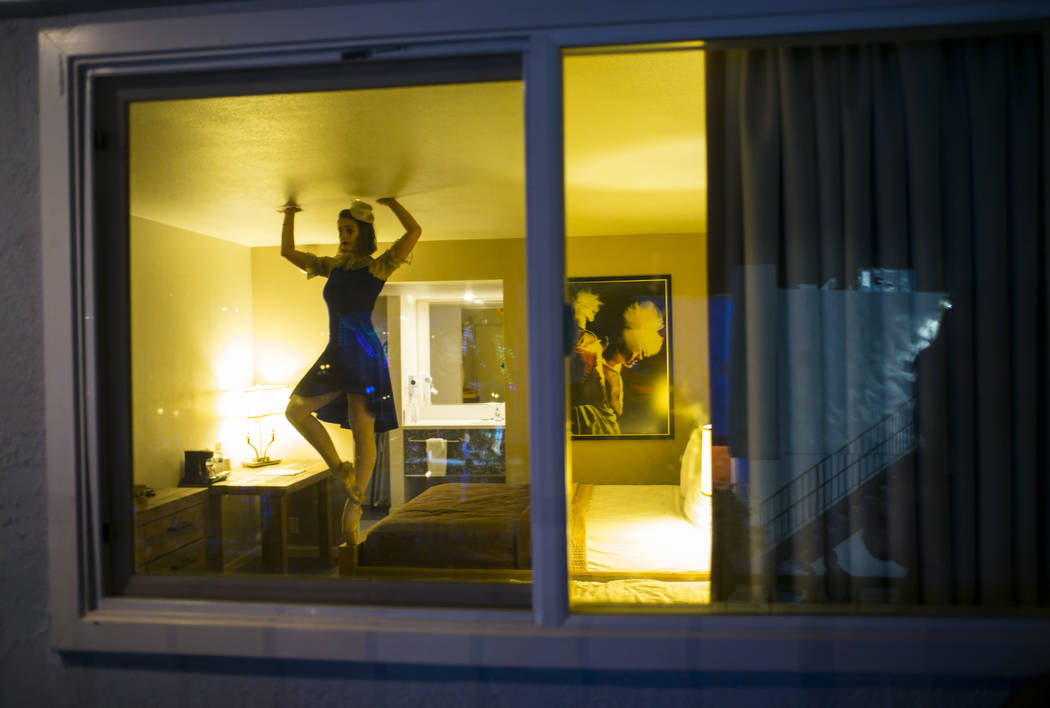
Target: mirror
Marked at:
467, 356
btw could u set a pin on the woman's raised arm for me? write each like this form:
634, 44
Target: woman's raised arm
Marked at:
404, 245
299, 258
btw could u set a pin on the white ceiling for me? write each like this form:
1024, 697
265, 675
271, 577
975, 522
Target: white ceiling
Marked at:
454, 154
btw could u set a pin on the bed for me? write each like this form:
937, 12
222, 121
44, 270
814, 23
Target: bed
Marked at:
628, 543
637, 529
647, 543
454, 525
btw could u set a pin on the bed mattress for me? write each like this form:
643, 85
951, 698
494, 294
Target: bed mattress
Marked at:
636, 528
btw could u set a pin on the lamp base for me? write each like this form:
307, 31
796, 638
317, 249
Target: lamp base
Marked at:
262, 462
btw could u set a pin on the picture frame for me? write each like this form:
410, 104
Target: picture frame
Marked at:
620, 379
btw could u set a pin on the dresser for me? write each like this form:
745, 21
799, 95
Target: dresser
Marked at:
171, 531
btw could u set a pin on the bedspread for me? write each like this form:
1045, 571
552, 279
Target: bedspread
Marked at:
454, 525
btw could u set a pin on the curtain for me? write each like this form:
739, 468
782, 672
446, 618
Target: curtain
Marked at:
878, 217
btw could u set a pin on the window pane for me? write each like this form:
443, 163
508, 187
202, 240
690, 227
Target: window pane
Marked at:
370, 421
819, 377
638, 379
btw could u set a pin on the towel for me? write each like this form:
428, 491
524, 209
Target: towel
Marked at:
437, 450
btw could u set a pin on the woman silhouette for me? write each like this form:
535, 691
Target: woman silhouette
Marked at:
349, 384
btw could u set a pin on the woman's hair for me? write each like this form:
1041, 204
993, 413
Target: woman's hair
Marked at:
366, 234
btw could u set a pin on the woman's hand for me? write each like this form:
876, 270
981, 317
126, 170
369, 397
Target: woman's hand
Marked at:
300, 259
404, 245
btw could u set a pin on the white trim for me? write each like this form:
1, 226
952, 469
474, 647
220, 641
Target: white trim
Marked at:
574, 20
550, 636
56, 188
903, 646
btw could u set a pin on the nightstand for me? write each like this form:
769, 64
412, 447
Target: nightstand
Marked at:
171, 531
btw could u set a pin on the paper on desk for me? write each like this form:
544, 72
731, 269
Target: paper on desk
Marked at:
281, 470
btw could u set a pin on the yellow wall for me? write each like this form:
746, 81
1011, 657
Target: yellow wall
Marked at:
186, 347
683, 256
291, 324
191, 334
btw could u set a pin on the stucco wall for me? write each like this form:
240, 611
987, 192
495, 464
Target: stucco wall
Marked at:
33, 674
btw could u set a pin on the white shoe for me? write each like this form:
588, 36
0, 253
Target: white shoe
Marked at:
345, 473
351, 522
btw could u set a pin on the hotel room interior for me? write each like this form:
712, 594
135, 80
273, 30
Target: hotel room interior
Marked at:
222, 327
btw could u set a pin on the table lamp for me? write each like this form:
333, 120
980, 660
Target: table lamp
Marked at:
260, 402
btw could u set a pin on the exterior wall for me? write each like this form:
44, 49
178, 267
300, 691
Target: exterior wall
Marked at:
33, 674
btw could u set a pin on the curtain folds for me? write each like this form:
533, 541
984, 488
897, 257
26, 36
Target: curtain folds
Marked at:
880, 221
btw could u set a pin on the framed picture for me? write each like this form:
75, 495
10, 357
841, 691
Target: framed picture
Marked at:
620, 370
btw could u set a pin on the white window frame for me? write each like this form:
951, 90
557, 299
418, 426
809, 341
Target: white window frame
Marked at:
548, 635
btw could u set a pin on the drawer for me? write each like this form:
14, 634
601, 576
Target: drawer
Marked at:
157, 538
187, 559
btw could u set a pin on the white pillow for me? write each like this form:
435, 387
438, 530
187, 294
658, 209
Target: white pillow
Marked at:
696, 494
690, 477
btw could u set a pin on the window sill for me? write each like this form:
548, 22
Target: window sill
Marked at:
970, 647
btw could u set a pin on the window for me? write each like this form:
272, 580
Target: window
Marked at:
635, 165
782, 393
86, 367
235, 357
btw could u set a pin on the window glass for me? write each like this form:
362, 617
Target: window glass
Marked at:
289, 413
638, 377
809, 364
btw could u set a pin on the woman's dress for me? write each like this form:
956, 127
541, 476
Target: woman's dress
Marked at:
354, 360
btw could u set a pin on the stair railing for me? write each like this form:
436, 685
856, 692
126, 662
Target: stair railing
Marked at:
839, 474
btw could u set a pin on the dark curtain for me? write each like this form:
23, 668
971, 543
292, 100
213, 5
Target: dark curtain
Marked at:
924, 163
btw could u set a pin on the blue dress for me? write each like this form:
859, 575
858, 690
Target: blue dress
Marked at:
354, 360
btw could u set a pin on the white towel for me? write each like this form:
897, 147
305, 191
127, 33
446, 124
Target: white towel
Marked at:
437, 450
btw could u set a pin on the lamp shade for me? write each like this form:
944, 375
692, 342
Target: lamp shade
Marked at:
257, 401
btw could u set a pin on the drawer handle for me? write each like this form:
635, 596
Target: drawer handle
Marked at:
177, 526
182, 564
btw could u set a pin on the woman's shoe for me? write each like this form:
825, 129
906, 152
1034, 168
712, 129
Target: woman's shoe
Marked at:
345, 473
351, 521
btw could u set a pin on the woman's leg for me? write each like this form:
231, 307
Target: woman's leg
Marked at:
363, 423
300, 414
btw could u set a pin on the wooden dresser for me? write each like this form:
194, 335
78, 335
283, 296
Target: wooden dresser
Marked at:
171, 531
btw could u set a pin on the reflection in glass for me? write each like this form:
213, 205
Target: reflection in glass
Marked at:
859, 329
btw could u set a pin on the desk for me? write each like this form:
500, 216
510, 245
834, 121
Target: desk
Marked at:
273, 489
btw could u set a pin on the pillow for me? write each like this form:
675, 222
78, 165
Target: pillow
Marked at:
695, 489
690, 476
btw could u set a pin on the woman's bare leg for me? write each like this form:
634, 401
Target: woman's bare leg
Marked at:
300, 414
363, 424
